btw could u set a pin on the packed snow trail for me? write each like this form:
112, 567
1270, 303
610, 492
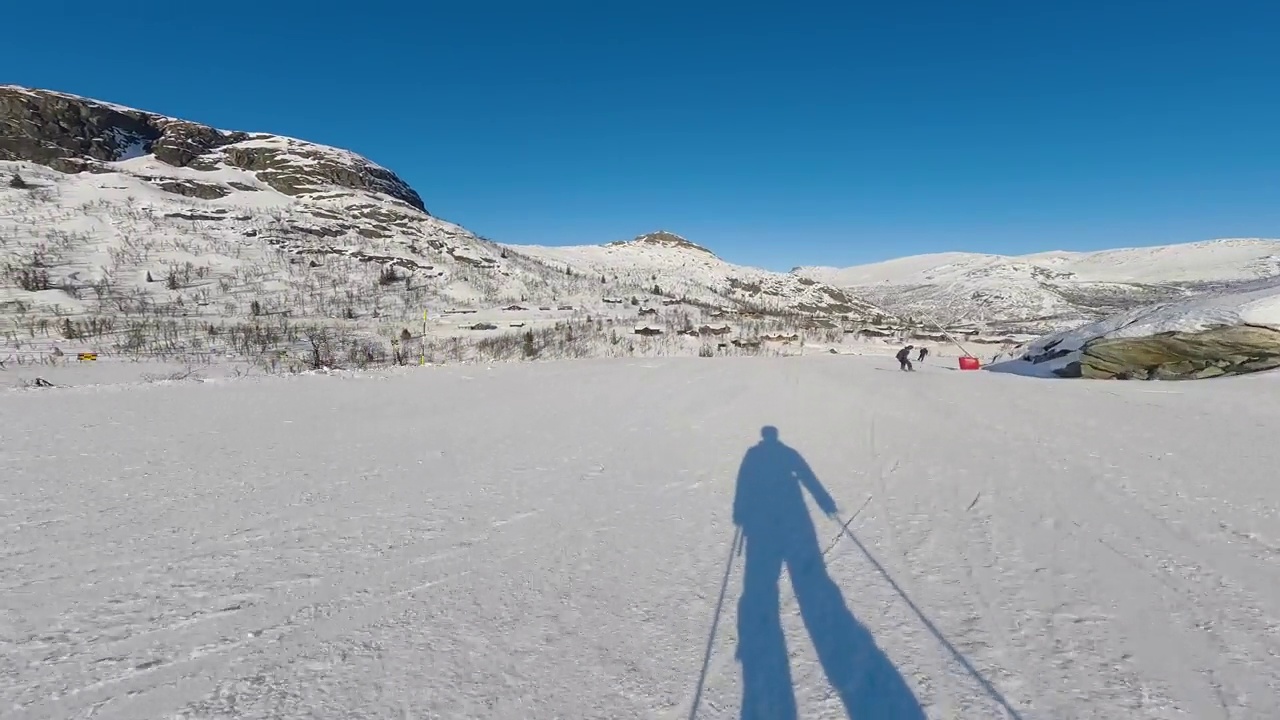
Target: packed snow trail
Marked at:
549, 540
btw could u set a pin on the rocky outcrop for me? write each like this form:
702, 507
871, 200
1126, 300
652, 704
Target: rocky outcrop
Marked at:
67, 132
73, 134
49, 128
1233, 350
297, 168
189, 188
1228, 333
665, 239
183, 144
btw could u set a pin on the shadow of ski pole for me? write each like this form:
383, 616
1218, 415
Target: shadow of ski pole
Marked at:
933, 630
734, 550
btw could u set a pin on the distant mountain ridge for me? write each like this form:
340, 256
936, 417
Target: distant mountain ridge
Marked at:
1057, 289
662, 238
131, 227
679, 267
110, 214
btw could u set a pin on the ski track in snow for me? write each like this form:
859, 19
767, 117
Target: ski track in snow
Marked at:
548, 540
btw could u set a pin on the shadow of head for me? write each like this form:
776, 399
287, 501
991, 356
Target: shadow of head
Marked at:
770, 485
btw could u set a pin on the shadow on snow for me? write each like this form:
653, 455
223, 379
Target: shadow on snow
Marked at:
770, 509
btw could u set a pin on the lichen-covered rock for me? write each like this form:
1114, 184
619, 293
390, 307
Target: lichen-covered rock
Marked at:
297, 168
183, 144
191, 188
1232, 350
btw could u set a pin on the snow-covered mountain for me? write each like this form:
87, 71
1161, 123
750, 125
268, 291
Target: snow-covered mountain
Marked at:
1053, 290
127, 229
161, 233
679, 268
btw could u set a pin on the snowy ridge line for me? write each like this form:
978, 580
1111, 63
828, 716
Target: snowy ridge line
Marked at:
1054, 290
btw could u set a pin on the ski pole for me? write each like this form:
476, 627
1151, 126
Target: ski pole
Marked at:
959, 657
844, 527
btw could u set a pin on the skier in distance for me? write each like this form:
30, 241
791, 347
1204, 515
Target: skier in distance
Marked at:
904, 358
923, 351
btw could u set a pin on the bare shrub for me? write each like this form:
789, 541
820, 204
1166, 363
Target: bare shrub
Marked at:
31, 271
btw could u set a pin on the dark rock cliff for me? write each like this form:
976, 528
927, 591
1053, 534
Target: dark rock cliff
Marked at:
74, 134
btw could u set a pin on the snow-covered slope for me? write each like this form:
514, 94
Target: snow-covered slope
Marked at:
113, 213
1225, 260
1054, 289
559, 543
680, 268
127, 230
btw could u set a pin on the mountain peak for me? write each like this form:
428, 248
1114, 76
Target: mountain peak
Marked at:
663, 238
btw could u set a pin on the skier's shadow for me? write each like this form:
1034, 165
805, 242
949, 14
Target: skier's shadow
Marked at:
769, 506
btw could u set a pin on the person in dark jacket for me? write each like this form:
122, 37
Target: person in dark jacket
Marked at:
923, 351
904, 357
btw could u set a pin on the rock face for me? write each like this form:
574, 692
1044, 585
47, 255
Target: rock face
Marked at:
1234, 350
68, 133
73, 134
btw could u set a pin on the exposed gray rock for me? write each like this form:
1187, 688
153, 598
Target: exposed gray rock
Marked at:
45, 128
662, 238
1233, 350
191, 188
1070, 370
278, 168
183, 144
73, 134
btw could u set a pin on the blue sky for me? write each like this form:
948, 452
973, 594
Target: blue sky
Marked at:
777, 135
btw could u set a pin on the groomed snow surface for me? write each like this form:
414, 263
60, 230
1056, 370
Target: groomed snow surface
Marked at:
552, 540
